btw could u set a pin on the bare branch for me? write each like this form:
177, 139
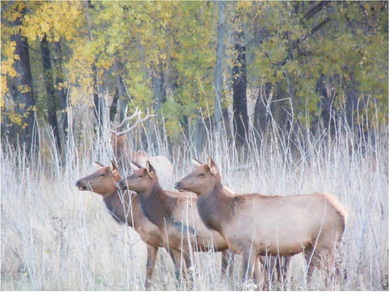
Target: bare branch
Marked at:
314, 11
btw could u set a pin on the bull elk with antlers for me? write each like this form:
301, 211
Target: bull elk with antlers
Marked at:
121, 147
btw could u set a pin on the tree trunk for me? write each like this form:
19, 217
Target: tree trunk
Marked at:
98, 101
21, 89
160, 97
51, 98
61, 95
262, 108
159, 90
120, 98
226, 122
114, 105
280, 109
351, 106
218, 80
328, 95
240, 112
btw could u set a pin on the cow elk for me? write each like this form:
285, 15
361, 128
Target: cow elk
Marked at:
125, 208
255, 224
177, 218
123, 153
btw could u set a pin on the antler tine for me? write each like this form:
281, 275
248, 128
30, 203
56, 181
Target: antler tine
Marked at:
138, 121
137, 112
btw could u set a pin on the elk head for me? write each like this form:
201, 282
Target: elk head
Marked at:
102, 181
142, 179
202, 180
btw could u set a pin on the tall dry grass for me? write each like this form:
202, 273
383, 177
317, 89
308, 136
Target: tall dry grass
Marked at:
55, 237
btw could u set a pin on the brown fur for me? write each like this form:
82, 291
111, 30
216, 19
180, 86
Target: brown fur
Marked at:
177, 218
124, 155
125, 207
255, 224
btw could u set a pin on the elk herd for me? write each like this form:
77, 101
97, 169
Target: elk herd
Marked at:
205, 216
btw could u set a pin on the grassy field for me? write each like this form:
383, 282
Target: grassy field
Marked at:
55, 237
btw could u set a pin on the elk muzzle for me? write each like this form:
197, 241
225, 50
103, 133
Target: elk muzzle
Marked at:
121, 185
81, 185
179, 187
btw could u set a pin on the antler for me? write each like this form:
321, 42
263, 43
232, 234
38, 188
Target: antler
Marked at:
137, 113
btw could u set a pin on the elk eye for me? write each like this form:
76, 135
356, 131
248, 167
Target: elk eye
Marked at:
201, 175
140, 176
101, 175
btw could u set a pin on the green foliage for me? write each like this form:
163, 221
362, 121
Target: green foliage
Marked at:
349, 51
175, 42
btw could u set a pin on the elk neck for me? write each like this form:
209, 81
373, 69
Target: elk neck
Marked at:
215, 207
122, 206
156, 204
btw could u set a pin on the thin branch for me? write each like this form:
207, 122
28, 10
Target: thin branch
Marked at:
300, 40
313, 11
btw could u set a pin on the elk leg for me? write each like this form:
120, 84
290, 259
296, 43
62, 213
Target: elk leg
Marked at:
189, 269
259, 274
267, 263
323, 259
278, 267
150, 264
248, 265
227, 263
327, 264
313, 260
176, 258
283, 266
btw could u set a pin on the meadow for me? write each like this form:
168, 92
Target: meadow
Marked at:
55, 237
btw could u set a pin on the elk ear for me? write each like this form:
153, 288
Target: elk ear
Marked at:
113, 165
114, 168
212, 166
134, 165
196, 163
98, 165
150, 169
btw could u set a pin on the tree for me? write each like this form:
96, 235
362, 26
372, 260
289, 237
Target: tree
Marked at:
314, 65
61, 90
218, 67
240, 112
51, 95
20, 114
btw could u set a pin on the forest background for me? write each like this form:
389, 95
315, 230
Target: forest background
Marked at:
287, 97
307, 66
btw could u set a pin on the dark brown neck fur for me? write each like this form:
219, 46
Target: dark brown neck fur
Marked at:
215, 208
156, 205
122, 207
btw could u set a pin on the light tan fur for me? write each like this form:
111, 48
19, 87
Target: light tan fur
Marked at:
254, 224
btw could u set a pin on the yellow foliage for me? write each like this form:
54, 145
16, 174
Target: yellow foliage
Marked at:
244, 4
24, 89
55, 20
14, 118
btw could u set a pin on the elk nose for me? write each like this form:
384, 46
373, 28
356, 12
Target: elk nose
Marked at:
77, 183
121, 185
177, 185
